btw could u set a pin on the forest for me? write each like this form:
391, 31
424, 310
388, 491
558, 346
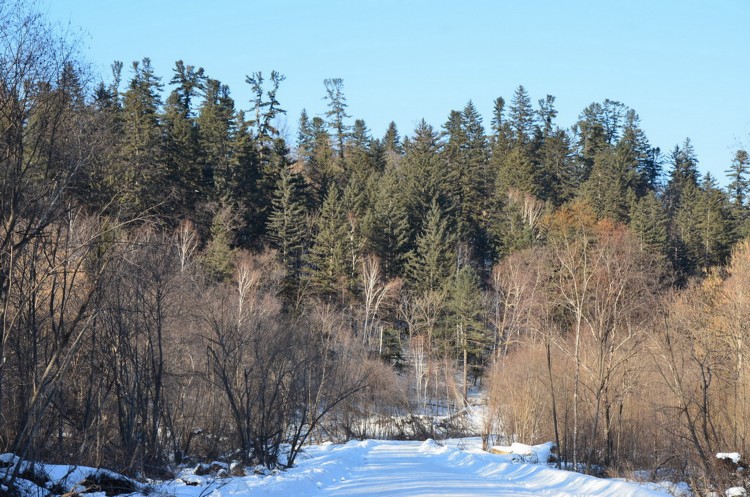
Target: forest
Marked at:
181, 281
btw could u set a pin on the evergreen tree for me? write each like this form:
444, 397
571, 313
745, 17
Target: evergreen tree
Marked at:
144, 176
636, 145
266, 108
522, 119
702, 228
389, 230
613, 182
501, 132
181, 140
360, 163
737, 174
466, 155
684, 174
392, 140
327, 270
217, 130
424, 176
715, 224
336, 113
738, 186
516, 172
305, 138
217, 257
547, 114
557, 180
649, 221
433, 259
322, 168
287, 227
464, 329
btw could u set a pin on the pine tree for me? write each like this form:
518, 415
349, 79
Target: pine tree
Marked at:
336, 113
144, 176
217, 257
181, 140
636, 143
684, 173
466, 155
464, 329
516, 172
613, 181
737, 174
359, 161
649, 221
715, 224
391, 139
424, 176
287, 227
557, 180
217, 129
433, 260
389, 230
327, 270
522, 119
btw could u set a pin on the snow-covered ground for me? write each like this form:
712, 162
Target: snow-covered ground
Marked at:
408, 469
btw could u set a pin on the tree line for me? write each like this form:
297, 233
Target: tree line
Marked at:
177, 279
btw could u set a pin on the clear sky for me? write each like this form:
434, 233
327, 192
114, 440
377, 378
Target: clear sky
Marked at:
683, 65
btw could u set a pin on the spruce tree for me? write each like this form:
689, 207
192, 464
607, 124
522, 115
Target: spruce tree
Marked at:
327, 268
648, 219
738, 186
432, 261
181, 140
522, 119
463, 327
144, 175
217, 129
287, 227
336, 112
684, 173
737, 174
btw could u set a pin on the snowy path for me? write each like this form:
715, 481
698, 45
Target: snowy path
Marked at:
408, 469
398, 469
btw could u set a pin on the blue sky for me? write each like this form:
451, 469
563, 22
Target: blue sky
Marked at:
684, 66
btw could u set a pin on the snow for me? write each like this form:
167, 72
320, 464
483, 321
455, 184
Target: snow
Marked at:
733, 456
528, 453
456, 467
735, 491
411, 469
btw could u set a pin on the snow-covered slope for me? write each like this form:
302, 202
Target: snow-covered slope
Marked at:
409, 469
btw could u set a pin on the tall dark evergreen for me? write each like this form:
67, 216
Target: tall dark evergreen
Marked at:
649, 221
684, 173
143, 177
181, 140
389, 230
739, 180
738, 188
392, 140
327, 264
288, 227
464, 330
217, 130
466, 152
635, 143
522, 119
336, 112
424, 176
432, 261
